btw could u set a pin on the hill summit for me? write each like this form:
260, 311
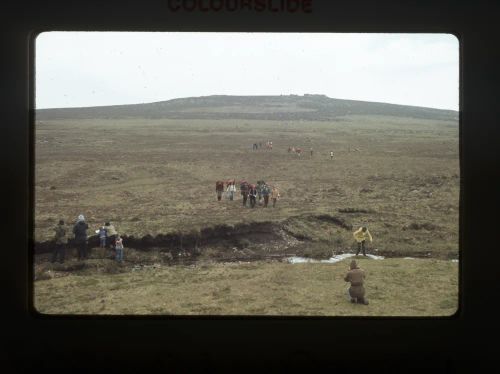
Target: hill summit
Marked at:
283, 107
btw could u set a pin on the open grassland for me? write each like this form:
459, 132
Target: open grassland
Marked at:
398, 176
394, 287
156, 176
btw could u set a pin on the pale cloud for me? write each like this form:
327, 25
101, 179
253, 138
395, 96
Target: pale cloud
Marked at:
87, 69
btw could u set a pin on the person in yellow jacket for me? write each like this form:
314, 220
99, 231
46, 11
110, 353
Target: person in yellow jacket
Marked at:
361, 235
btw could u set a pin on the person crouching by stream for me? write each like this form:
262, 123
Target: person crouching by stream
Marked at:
119, 248
356, 276
61, 238
361, 235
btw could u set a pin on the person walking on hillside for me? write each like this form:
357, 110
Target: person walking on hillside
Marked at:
219, 189
119, 248
244, 191
331, 155
361, 235
275, 195
311, 152
110, 235
61, 238
265, 193
231, 189
252, 194
80, 231
356, 276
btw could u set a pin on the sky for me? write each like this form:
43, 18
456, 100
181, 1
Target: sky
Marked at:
81, 69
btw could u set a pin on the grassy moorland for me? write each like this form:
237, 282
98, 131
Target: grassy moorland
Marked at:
398, 174
394, 287
154, 177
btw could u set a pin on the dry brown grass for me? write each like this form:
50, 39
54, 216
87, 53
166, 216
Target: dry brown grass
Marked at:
394, 287
157, 176
399, 177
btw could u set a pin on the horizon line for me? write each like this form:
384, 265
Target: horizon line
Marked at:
203, 96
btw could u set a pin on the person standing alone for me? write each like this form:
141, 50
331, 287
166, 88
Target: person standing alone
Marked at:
361, 235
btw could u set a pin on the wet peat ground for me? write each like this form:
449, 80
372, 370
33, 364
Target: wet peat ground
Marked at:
244, 243
154, 180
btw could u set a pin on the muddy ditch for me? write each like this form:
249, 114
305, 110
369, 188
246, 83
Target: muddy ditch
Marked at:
240, 235
44, 270
253, 241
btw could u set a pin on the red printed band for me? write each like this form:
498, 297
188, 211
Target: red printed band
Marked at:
286, 6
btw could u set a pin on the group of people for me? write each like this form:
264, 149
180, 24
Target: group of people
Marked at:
298, 151
268, 145
108, 238
250, 192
